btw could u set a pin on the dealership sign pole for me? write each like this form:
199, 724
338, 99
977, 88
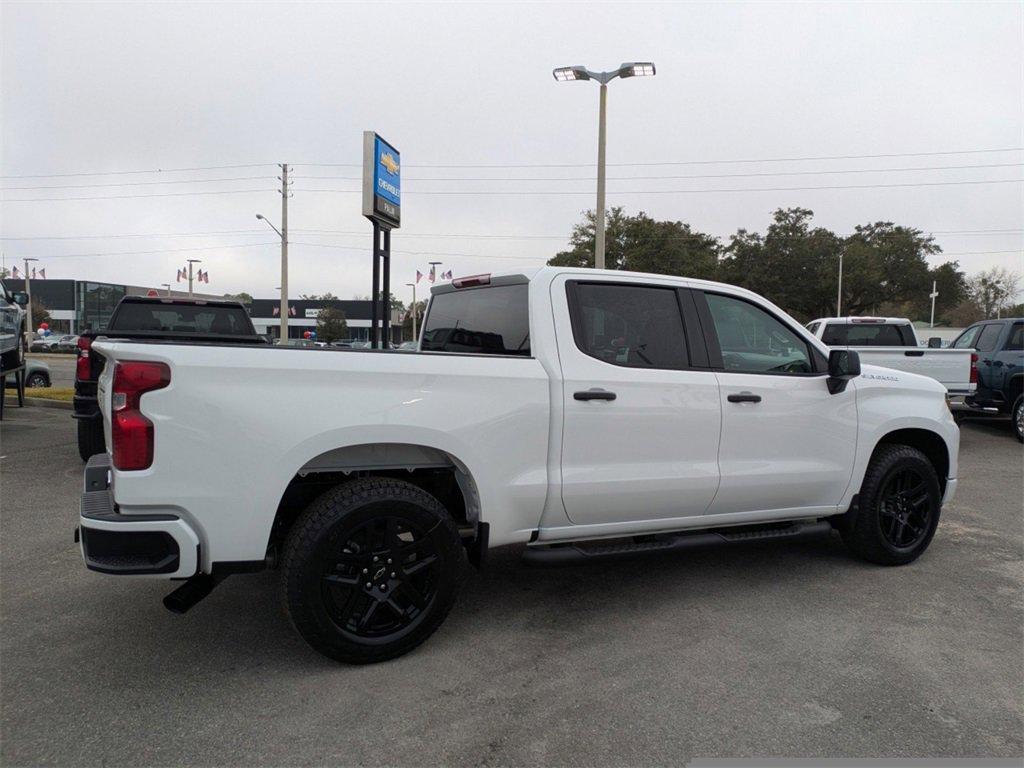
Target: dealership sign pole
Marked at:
382, 205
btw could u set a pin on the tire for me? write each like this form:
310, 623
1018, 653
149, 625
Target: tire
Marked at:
1017, 417
90, 438
37, 381
353, 536
898, 508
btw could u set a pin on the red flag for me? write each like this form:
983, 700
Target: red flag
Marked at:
419, 275
178, 279
206, 277
277, 311
14, 273
33, 273
291, 311
42, 273
432, 268
447, 275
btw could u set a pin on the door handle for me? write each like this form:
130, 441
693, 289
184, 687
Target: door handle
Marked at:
594, 394
914, 353
744, 397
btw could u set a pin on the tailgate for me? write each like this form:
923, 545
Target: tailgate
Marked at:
949, 367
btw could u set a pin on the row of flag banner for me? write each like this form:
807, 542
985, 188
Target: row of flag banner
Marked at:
17, 274
432, 275
201, 277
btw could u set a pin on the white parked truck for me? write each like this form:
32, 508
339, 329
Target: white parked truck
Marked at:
892, 342
584, 414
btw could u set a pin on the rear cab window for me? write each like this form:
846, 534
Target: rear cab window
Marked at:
869, 335
201, 319
491, 320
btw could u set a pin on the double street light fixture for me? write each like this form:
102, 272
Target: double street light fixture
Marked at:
566, 74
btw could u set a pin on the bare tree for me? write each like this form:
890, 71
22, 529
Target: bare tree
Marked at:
994, 290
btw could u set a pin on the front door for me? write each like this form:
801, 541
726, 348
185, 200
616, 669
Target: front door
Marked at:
787, 443
641, 409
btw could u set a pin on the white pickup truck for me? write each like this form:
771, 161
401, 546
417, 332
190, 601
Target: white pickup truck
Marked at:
584, 414
892, 342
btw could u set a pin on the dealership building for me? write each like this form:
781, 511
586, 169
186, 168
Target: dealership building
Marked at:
302, 314
78, 305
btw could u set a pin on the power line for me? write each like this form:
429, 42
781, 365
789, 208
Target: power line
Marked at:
143, 253
681, 191
125, 197
126, 173
522, 165
679, 162
147, 183
693, 176
150, 234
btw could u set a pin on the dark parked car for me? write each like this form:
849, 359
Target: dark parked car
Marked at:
1000, 346
182, 321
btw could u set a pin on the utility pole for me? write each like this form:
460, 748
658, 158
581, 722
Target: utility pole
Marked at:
284, 253
190, 263
30, 329
933, 295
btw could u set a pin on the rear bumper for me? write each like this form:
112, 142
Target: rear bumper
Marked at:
160, 545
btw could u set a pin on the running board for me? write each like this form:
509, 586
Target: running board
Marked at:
565, 554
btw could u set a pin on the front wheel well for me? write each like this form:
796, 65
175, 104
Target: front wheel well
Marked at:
927, 442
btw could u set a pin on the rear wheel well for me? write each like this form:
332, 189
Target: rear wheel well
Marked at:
443, 478
928, 443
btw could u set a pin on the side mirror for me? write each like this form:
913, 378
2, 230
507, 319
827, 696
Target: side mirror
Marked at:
934, 343
20, 298
843, 365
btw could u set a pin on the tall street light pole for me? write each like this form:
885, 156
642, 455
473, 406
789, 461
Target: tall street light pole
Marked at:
167, 286
413, 286
190, 263
630, 69
28, 308
839, 293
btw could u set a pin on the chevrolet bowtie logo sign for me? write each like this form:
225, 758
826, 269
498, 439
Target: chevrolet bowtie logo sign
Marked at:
389, 162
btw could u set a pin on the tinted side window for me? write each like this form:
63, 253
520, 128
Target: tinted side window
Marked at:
487, 321
753, 341
630, 325
1016, 338
966, 339
813, 327
835, 334
988, 337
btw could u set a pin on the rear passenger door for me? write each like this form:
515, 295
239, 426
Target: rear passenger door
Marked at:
641, 408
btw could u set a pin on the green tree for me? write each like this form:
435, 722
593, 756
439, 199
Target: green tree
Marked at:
318, 296
642, 244
243, 297
793, 264
887, 264
40, 314
331, 325
421, 308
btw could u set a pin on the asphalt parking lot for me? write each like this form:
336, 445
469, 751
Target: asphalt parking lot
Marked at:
769, 650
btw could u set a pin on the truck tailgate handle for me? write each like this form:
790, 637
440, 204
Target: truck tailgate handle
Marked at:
594, 394
914, 353
744, 397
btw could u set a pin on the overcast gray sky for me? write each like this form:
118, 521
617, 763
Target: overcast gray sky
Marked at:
104, 88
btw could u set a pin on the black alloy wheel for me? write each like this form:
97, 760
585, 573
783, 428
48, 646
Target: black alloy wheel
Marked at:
383, 579
898, 507
371, 568
905, 509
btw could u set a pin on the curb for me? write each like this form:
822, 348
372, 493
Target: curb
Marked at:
40, 402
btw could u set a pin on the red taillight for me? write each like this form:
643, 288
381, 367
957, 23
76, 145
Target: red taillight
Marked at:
472, 280
132, 433
82, 365
974, 367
